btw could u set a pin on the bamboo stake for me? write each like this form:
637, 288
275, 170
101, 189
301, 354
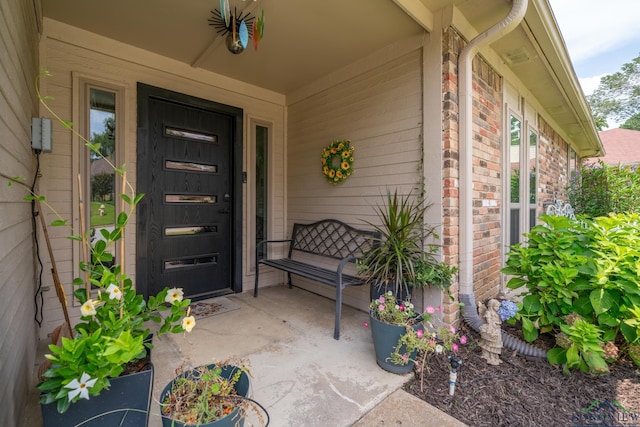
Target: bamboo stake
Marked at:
62, 297
83, 234
122, 209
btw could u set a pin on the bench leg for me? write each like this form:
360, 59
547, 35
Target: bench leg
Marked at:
336, 330
255, 287
289, 276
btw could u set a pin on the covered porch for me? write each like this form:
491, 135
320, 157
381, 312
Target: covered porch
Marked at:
300, 374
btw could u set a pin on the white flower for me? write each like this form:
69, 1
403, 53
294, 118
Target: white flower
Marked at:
439, 349
114, 292
188, 323
81, 387
88, 308
173, 295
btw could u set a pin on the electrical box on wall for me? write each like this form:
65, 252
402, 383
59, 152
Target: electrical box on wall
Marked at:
41, 134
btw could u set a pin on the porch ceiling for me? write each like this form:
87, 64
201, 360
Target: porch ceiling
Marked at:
305, 40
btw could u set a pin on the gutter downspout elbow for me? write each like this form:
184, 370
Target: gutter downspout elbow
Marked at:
465, 294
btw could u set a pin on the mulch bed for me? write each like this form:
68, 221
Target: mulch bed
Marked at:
521, 392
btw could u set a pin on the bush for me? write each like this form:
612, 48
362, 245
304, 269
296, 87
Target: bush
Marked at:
585, 270
600, 190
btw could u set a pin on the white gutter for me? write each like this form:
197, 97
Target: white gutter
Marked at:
500, 29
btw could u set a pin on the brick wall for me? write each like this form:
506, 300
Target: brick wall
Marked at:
487, 141
487, 188
552, 162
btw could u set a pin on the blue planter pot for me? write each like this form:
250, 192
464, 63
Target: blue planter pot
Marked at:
231, 420
385, 339
126, 403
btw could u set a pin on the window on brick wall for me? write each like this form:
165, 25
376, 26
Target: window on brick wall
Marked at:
572, 163
523, 165
533, 177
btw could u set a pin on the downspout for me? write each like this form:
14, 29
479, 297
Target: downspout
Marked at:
465, 75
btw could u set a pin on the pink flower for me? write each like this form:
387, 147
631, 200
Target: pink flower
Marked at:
401, 307
430, 310
365, 324
453, 330
419, 333
381, 307
454, 347
405, 357
463, 339
438, 309
381, 300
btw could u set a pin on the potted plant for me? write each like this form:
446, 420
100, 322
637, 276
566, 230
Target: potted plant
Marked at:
212, 395
438, 274
113, 332
390, 319
390, 264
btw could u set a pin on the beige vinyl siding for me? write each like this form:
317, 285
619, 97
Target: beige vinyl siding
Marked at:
380, 111
18, 335
73, 56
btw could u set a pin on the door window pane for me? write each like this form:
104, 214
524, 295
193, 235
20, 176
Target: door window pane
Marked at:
262, 145
102, 180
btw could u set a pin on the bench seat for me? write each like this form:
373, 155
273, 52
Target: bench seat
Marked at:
327, 238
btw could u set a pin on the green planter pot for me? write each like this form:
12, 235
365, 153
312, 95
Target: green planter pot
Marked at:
231, 420
385, 339
126, 403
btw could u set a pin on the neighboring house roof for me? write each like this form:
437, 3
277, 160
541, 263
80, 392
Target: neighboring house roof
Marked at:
100, 167
622, 146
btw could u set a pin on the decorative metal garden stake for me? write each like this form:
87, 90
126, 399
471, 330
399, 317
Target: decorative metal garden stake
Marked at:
453, 375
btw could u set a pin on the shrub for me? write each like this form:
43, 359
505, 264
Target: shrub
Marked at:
600, 190
588, 269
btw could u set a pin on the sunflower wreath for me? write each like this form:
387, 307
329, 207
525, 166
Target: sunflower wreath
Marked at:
337, 161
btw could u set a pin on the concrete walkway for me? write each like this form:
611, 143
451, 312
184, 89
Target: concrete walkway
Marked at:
300, 374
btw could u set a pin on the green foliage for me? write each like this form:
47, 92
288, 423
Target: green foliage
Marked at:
402, 233
598, 191
114, 322
632, 122
617, 94
430, 272
584, 353
589, 269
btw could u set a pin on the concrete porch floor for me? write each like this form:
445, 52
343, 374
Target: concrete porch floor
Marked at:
300, 374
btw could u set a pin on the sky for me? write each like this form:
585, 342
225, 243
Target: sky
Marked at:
600, 35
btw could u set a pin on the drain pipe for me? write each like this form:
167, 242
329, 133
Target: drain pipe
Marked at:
465, 294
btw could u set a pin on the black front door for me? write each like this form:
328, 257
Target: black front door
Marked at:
188, 221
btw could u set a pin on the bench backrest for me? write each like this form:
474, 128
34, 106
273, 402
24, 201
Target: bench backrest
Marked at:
331, 238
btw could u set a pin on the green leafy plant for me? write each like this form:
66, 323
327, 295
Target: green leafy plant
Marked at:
439, 274
586, 268
602, 189
113, 329
392, 260
584, 351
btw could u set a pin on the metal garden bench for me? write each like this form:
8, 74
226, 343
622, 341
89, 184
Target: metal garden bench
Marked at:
328, 239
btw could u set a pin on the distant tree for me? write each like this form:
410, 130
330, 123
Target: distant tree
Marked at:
617, 95
632, 122
106, 140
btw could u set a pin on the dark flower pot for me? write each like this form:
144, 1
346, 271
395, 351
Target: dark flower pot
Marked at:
233, 419
385, 339
126, 403
377, 289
